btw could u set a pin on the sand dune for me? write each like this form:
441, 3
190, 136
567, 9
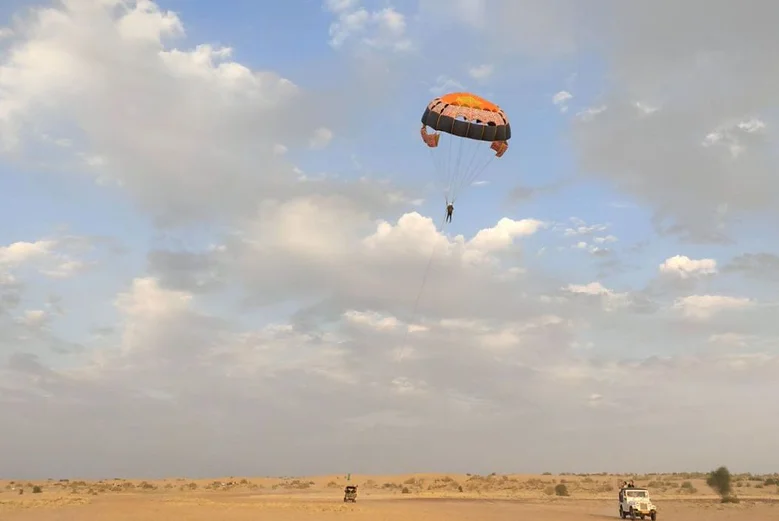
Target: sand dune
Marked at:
423, 497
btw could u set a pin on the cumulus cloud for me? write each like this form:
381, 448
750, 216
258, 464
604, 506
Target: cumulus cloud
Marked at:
684, 267
195, 123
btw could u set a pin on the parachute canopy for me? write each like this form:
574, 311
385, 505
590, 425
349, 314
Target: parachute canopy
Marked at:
468, 118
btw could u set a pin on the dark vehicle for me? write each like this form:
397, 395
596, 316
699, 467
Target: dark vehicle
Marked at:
350, 494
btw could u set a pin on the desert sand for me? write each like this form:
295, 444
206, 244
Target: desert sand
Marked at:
422, 497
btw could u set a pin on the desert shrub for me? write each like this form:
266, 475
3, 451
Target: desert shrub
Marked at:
405, 491
549, 491
771, 481
546, 473
606, 487
332, 484
561, 490
687, 487
36, 489
720, 481
459, 488
295, 483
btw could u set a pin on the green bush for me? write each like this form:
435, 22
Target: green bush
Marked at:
720, 481
561, 490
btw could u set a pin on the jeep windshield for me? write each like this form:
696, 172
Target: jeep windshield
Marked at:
636, 493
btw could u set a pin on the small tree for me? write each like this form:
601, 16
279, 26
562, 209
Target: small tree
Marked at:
719, 480
561, 490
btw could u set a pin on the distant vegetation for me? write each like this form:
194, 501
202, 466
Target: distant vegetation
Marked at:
561, 485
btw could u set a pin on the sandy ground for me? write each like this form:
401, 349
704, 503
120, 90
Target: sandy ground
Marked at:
427, 497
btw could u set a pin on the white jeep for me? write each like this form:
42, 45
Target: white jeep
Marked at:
635, 503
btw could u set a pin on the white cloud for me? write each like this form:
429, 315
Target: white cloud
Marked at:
731, 339
322, 137
53, 257
21, 252
685, 267
610, 299
383, 29
371, 319
175, 102
481, 72
561, 100
504, 233
34, 318
582, 228
703, 307
444, 84
590, 113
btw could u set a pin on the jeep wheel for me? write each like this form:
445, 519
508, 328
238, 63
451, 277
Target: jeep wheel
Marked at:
622, 513
653, 516
632, 513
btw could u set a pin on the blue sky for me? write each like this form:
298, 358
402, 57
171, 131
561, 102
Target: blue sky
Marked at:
159, 242
387, 145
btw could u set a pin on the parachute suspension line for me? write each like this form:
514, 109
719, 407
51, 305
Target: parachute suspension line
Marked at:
473, 157
448, 168
463, 175
454, 174
419, 293
477, 172
456, 168
460, 168
441, 161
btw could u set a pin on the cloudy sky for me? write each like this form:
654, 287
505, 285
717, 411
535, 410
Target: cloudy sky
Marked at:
218, 222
